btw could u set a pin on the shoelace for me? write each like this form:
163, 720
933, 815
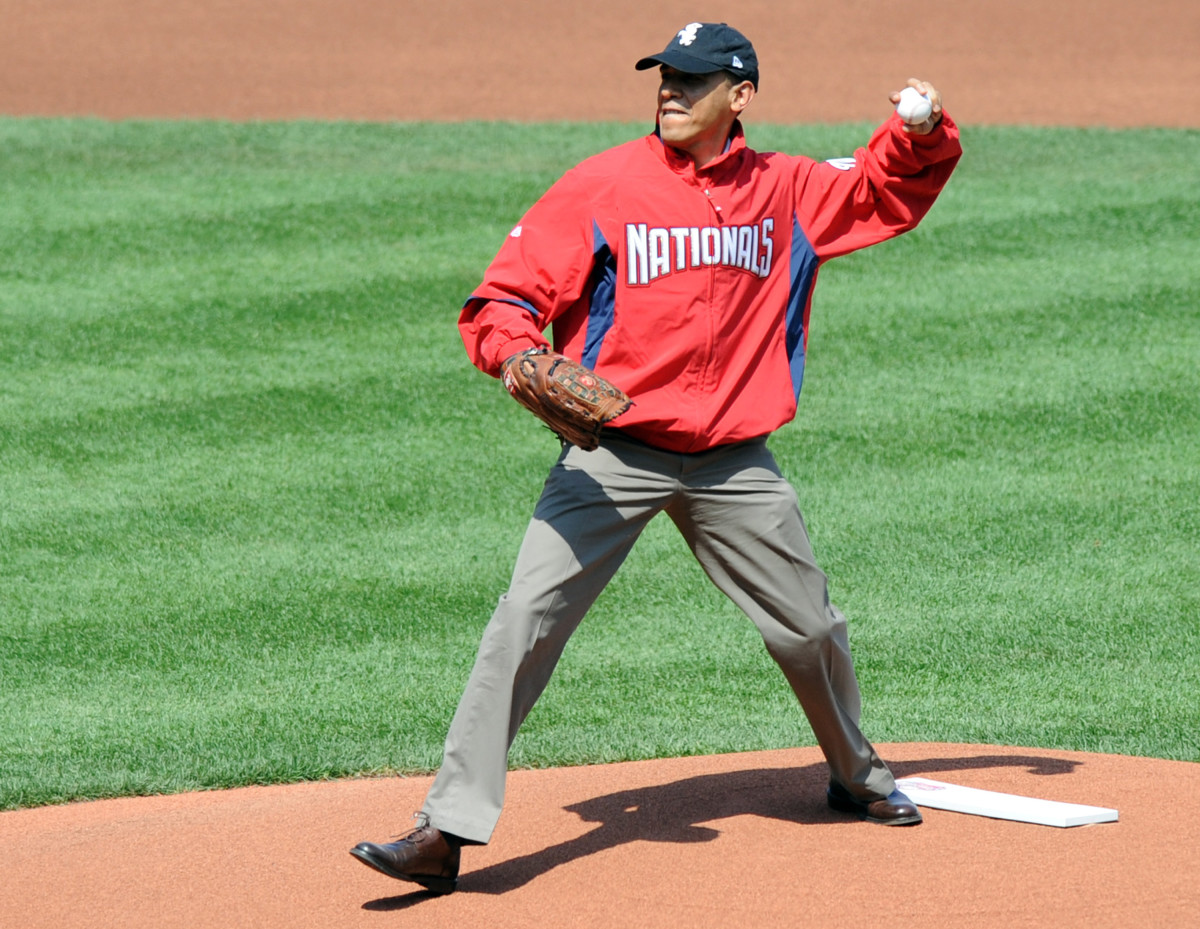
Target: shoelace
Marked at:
422, 820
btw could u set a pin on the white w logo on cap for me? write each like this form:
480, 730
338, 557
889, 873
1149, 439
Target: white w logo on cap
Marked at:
687, 35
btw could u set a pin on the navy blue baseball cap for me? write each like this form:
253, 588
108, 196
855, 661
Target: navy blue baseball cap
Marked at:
701, 48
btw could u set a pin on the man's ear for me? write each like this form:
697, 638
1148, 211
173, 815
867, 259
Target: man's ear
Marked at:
740, 96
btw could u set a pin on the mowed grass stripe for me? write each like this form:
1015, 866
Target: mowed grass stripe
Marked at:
257, 506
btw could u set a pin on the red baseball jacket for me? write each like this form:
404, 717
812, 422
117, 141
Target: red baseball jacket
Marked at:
691, 290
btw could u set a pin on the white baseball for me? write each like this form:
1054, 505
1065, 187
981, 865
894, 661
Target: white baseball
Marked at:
914, 107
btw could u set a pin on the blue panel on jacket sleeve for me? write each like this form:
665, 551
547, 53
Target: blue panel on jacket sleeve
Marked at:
803, 270
603, 287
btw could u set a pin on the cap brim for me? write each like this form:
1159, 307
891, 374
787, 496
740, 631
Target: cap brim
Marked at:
678, 60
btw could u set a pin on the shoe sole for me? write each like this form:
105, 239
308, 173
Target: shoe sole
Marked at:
432, 883
847, 806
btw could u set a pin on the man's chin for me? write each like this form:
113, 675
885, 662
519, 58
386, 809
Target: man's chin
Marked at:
673, 135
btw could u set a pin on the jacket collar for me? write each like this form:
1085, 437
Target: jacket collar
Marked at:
681, 163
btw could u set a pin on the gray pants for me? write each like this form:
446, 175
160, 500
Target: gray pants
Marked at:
740, 518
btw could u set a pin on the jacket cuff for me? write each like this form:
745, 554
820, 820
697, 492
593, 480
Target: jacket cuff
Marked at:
935, 136
519, 344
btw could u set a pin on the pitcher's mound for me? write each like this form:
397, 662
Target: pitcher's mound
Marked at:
731, 839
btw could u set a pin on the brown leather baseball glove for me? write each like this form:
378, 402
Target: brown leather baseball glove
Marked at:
569, 398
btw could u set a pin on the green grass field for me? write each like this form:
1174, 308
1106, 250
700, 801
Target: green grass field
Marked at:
256, 507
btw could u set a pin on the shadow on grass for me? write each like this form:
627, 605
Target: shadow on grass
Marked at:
674, 813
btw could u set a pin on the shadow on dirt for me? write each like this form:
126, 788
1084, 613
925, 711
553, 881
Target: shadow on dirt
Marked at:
676, 812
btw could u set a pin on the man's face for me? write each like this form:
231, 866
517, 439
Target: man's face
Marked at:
695, 111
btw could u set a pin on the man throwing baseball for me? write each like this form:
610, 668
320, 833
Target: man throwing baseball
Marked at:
678, 268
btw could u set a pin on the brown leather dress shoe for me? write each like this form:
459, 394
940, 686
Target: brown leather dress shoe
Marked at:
424, 856
894, 810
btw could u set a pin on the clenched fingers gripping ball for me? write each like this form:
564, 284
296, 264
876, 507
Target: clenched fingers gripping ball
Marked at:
914, 107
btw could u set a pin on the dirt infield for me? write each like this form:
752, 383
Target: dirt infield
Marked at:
693, 841
700, 840
1038, 62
